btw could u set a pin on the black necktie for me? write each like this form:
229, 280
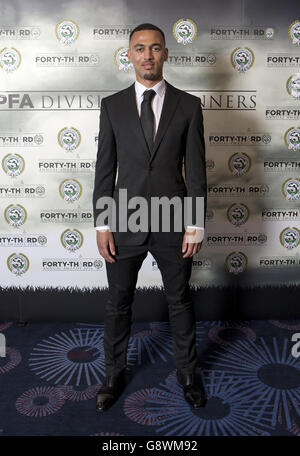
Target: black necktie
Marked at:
147, 117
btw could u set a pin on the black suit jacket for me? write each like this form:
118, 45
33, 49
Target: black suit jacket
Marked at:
144, 172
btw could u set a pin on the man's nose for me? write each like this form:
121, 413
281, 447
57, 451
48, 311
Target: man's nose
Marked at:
148, 55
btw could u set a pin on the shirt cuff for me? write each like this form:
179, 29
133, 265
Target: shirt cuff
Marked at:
102, 228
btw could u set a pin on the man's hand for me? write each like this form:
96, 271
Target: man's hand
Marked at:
190, 244
106, 245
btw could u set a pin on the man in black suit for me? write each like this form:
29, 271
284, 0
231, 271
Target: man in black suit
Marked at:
147, 132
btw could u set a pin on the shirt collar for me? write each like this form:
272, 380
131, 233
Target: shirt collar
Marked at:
159, 88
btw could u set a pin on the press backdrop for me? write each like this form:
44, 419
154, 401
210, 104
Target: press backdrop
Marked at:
58, 59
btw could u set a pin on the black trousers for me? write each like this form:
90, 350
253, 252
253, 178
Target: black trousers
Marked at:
122, 277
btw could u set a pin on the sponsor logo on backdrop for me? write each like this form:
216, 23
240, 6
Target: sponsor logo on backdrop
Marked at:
282, 60
23, 240
65, 165
10, 59
294, 32
201, 263
291, 189
239, 164
210, 164
70, 190
280, 214
22, 191
279, 113
278, 262
18, 263
238, 214
227, 139
15, 215
16, 140
76, 264
13, 164
281, 166
258, 190
233, 32
19, 33
290, 237
121, 59
71, 240
62, 216
292, 138
112, 32
293, 86
217, 239
69, 138
89, 101
63, 59
191, 59
236, 262
209, 215
184, 31
242, 59
67, 32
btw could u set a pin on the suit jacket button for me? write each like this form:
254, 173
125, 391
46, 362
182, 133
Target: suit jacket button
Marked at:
150, 167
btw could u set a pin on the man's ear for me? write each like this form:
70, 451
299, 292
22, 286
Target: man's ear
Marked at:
166, 54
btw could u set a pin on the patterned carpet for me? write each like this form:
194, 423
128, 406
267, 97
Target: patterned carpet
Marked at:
52, 371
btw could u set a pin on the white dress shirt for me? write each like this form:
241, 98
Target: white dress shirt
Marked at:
156, 104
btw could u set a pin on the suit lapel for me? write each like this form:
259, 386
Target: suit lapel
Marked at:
168, 109
132, 117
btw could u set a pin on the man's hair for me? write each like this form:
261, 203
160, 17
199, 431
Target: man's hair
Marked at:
147, 27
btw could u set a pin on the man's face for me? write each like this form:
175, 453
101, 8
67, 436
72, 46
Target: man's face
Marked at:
147, 54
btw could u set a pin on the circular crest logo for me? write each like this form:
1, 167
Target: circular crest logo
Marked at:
98, 264
209, 214
290, 237
292, 138
69, 138
72, 240
70, 190
121, 59
269, 33
239, 163
184, 31
211, 59
242, 59
238, 214
264, 188
40, 190
67, 32
42, 240
266, 139
38, 139
210, 164
18, 263
291, 189
13, 164
236, 262
94, 59
15, 215
262, 238
294, 32
293, 86
35, 33
10, 59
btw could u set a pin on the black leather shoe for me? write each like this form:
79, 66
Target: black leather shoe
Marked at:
110, 390
193, 391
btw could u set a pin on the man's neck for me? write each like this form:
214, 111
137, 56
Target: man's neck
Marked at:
149, 83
